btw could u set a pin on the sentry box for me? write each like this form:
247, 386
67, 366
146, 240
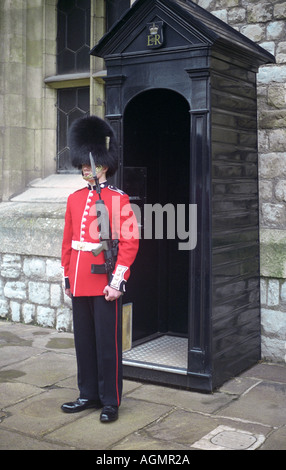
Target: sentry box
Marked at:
181, 97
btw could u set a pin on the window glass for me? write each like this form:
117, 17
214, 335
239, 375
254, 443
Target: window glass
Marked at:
73, 103
73, 37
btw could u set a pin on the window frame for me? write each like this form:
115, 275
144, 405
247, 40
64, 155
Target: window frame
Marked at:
93, 78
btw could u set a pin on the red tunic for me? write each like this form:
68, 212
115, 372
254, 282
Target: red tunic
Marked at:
81, 226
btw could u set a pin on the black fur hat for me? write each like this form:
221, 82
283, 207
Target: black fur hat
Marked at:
92, 134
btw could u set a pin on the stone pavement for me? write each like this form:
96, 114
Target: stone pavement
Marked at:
38, 374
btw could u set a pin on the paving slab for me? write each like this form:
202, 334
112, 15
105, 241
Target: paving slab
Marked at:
38, 373
89, 433
186, 428
265, 403
11, 355
40, 414
16, 441
239, 385
11, 393
45, 369
137, 441
267, 371
183, 398
276, 440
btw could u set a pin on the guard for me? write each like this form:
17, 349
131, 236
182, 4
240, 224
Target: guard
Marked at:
100, 243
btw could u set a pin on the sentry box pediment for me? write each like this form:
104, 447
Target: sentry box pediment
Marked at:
160, 26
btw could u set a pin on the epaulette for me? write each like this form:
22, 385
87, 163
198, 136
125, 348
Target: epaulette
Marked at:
114, 188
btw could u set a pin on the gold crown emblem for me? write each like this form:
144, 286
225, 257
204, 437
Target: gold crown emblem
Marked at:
154, 29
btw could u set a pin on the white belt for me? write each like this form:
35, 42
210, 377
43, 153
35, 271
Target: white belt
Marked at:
85, 246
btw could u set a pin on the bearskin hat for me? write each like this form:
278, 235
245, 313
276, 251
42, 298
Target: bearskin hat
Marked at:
92, 134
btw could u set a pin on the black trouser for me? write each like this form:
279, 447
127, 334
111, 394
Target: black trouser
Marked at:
98, 344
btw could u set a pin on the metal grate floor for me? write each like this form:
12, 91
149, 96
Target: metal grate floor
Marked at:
168, 353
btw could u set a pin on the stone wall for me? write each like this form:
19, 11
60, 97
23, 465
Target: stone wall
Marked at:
264, 22
31, 291
27, 107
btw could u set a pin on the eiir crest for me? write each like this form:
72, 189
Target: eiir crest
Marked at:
155, 36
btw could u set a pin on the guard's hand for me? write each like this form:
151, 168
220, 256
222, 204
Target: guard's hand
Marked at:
111, 294
68, 293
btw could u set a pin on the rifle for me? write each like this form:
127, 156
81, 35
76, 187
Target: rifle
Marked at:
107, 245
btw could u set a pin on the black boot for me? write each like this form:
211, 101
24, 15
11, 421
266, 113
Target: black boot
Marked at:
109, 414
80, 404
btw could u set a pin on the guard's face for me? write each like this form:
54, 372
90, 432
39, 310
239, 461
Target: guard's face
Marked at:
87, 172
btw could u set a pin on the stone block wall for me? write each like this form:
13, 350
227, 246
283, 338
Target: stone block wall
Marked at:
264, 22
27, 108
31, 276
31, 291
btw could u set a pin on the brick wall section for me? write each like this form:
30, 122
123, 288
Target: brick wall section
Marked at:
264, 22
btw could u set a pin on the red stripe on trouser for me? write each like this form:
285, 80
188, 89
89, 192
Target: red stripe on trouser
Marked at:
116, 347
